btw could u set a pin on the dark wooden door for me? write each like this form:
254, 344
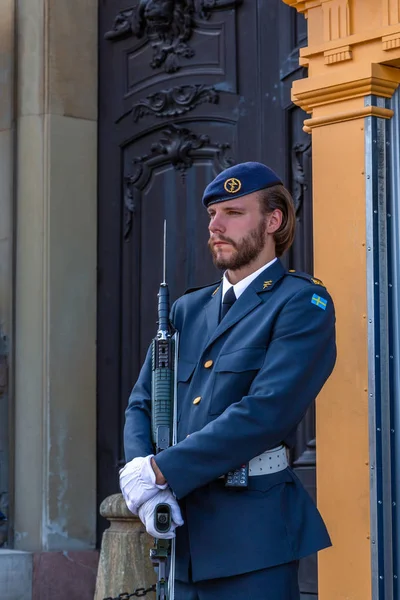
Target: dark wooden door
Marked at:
187, 88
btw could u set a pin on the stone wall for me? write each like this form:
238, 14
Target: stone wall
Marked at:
48, 206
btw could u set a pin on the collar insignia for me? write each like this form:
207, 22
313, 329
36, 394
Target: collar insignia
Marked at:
215, 291
267, 284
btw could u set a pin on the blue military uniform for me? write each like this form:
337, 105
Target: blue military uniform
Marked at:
244, 384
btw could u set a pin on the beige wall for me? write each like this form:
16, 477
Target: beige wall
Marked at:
55, 310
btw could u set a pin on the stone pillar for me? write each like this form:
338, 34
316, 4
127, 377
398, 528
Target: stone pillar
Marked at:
124, 559
353, 49
7, 136
55, 304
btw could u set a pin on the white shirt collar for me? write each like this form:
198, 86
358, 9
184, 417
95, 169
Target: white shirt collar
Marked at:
241, 285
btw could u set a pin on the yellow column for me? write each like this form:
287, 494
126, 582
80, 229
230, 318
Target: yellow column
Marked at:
353, 52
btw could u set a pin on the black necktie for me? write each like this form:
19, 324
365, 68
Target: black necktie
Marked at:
227, 302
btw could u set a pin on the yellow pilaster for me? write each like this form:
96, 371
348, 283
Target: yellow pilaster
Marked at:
353, 52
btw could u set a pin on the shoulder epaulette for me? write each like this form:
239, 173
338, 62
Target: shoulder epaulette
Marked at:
306, 276
202, 287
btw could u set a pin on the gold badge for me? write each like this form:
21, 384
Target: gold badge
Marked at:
267, 284
316, 281
215, 291
232, 185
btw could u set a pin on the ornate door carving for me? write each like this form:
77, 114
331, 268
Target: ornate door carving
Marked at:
187, 88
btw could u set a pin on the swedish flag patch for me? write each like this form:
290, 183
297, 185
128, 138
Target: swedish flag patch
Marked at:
318, 301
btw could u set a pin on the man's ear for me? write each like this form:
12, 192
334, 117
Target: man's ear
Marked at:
274, 220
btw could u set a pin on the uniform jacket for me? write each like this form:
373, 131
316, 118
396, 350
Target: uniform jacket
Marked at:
256, 373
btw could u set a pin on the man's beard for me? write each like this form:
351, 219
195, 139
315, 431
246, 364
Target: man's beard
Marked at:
247, 249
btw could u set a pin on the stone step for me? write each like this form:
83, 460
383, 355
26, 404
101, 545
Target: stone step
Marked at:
15, 575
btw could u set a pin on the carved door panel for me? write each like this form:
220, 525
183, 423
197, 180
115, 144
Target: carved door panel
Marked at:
187, 88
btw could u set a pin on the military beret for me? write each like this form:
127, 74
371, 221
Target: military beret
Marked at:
239, 180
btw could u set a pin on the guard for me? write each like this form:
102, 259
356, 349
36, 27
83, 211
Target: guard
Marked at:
255, 350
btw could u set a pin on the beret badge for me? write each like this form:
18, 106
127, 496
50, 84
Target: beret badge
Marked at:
232, 185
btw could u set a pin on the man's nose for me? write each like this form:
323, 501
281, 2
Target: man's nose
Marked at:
216, 224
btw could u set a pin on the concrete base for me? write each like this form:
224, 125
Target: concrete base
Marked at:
64, 575
15, 575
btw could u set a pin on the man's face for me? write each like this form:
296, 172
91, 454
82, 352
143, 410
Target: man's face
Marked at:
237, 232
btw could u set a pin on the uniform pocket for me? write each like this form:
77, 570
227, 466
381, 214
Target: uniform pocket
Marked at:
185, 370
183, 377
234, 372
245, 359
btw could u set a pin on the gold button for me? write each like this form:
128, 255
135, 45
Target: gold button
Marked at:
208, 364
197, 400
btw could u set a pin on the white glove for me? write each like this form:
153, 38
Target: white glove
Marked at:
137, 481
146, 514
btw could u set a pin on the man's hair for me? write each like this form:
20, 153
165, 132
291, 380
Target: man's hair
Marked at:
278, 197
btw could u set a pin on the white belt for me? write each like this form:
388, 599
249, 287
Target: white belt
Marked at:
268, 462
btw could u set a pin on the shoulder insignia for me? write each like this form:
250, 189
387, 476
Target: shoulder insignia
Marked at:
203, 287
316, 281
319, 301
305, 276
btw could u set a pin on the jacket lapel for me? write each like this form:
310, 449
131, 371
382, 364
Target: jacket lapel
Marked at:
212, 309
250, 298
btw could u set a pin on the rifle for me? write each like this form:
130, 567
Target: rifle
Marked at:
164, 428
